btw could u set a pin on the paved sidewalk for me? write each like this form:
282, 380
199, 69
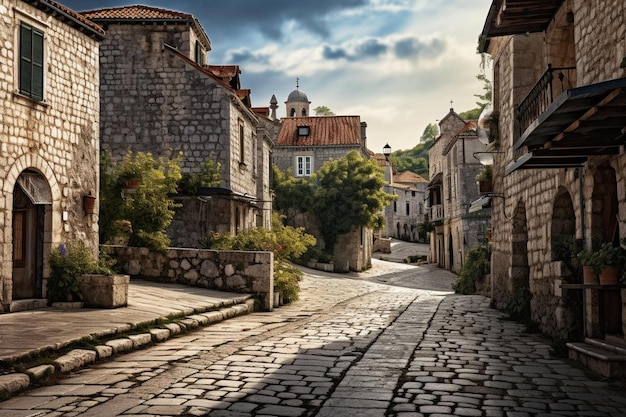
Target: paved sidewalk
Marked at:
30, 332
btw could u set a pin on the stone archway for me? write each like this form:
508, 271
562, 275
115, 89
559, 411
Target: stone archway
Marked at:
32, 202
569, 308
605, 229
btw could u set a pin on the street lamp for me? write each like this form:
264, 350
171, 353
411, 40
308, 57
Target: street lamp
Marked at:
387, 151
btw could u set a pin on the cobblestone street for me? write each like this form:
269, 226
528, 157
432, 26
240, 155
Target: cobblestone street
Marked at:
349, 347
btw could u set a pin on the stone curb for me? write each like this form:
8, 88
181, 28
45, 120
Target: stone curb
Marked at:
79, 358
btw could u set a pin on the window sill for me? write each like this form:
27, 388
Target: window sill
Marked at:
29, 101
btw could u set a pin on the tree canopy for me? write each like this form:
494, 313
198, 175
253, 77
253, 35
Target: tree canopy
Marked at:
323, 111
343, 194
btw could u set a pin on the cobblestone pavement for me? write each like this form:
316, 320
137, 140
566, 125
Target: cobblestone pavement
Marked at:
349, 347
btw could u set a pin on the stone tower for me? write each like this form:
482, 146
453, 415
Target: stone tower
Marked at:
297, 103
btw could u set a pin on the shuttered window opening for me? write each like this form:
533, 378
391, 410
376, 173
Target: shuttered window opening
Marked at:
31, 61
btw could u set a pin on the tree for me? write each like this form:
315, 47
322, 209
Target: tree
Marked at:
323, 111
292, 195
430, 134
348, 194
149, 208
484, 98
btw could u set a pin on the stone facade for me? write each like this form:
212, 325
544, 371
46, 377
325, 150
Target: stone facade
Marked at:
453, 170
542, 206
236, 271
49, 142
404, 216
159, 97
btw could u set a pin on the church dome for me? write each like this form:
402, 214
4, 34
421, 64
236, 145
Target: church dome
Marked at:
297, 96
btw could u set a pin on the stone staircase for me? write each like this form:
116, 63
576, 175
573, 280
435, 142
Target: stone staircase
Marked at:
605, 357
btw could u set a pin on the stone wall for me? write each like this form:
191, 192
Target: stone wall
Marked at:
236, 271
522, 220
57, 138
284, 156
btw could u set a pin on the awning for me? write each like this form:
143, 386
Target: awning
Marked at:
511, 17
582, 122
35, 187
436, 181
481, 203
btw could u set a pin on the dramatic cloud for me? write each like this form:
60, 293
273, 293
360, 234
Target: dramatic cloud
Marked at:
406, 48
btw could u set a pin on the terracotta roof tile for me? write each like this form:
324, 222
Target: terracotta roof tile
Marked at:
140, 13
136, 12
56, 7
325, 131
408, 177
224, 71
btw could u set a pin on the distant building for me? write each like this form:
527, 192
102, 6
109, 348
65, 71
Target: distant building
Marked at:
453, 169
160, 95
305, 143
49, 142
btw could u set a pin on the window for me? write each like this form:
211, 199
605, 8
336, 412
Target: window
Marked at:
31, 62
303, 166
199, 54
408, 208
395, 206
242, 143
304, 130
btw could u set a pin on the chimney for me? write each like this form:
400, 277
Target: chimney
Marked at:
363, 134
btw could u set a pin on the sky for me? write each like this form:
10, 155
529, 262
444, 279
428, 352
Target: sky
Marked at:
398, 64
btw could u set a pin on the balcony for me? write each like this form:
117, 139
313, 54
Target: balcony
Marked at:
551, 84
436, 213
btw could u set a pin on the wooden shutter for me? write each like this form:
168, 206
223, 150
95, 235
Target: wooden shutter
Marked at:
31, 62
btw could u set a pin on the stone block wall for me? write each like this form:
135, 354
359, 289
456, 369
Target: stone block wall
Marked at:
57, 138
236, 271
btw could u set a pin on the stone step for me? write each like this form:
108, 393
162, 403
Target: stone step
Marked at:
78, 358
29, 304
599, 356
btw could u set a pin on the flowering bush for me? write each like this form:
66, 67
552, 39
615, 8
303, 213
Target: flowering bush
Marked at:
69, 261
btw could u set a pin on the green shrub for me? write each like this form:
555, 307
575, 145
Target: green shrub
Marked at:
286, 242
477, 264
67, 262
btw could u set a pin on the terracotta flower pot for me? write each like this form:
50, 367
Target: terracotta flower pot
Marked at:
589, 278
610, 275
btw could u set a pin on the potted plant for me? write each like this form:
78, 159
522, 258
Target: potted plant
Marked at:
76, 277
592, 266
612, 259
485, 180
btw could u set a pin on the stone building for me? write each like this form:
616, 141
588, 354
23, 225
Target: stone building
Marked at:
559, 83
404, 215
49, 141
160, 95
304, 144
453, 169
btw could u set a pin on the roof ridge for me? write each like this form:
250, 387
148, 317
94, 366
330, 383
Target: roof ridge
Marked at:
141, 6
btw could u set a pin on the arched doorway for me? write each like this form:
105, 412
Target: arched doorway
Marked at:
564, 247
604, 229
32, 201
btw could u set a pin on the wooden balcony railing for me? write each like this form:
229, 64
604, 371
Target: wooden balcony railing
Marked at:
436, 213
552, 83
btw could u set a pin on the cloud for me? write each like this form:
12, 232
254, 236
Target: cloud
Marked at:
406, 48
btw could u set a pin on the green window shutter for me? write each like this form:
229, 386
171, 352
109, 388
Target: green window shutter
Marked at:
37, 89
31, 62
26, 68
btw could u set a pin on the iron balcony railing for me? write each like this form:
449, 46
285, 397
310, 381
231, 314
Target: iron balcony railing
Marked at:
551, 84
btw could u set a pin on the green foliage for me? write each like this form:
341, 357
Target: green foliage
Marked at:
286, 242
149, 208
348, 194
484, 98
286, 281
486, 174
323, 111
477, 264
414, 160
209, 176
519, 309
292, 195
67, 262
591, 259
609, 254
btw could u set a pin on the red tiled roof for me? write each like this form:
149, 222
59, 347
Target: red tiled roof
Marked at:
379, 158
136, 12
408, 177
261, 111
224, 71
64, 13
325, 131
139, 13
